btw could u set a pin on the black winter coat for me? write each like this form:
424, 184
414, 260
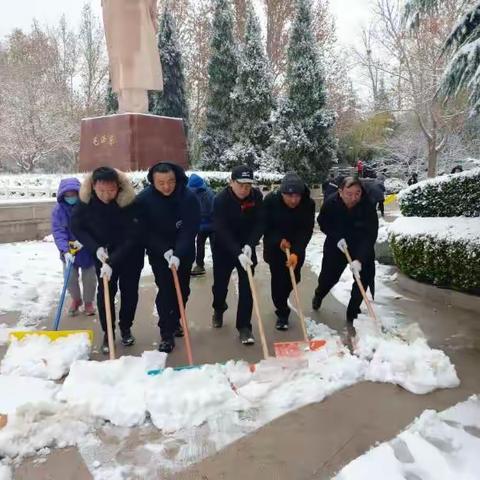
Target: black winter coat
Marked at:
114, 226
358, 226
169, 222
237, 222
293, 224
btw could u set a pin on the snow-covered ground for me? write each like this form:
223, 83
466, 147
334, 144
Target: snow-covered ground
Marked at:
218, 402
436, 446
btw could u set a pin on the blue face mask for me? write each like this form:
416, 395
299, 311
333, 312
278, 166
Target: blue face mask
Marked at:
71, 200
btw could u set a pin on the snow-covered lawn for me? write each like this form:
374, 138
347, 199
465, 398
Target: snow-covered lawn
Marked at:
436, 446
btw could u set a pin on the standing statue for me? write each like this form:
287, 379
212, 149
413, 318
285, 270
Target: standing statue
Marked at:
130, 31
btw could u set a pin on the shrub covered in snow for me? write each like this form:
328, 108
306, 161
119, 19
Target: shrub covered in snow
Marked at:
394, 185
445, 196
45, 186
441, 251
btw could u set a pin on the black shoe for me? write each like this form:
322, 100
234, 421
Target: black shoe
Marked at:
246, 336
179, 333
197, 270
217, 319
166, 345
282, 323
128, 339
316, 302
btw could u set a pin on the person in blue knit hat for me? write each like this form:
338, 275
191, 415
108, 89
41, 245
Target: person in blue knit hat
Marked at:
205, 197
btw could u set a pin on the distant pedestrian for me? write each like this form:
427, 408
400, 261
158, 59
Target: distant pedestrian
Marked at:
67, 198
359, 169
329, 187
205, 197
413, 179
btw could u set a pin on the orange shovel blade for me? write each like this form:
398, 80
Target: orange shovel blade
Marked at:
297, 349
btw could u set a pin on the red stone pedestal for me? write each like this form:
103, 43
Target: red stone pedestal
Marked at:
131, 141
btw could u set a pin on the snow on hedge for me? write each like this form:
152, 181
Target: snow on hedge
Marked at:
444, 196
45, 185
441, 251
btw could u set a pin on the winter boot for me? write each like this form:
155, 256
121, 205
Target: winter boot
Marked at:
217, 319
246, 336
74, 307
166, 345
127, 338
198, 270
89, 309
178, 332
282, 323
316, 302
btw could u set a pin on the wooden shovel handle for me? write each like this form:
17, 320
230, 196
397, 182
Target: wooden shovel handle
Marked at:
257, 312
183, 316
297, 297
108, 314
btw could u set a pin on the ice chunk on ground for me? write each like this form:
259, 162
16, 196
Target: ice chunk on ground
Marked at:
39, 356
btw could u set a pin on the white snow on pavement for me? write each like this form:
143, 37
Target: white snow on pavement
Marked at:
39, 356
436, 446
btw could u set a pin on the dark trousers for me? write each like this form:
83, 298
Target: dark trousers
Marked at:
166, 299
381, 208
333, 265
223, 266
126, 277
281, 284
200, 253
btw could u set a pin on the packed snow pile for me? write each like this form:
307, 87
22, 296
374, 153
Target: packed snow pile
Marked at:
123, 381
39, 356
407, 362
440, 446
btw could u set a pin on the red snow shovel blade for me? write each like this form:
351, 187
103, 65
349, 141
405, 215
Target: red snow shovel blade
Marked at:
297, 349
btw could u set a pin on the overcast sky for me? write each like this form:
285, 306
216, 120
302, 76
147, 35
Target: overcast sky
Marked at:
350, 14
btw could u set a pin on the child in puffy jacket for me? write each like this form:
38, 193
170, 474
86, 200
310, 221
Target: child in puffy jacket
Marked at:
67, 197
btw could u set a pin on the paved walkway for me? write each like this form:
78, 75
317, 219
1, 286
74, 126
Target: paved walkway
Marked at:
313, 442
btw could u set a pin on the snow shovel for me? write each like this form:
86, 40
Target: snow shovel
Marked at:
296, 349
257, 312
56, 333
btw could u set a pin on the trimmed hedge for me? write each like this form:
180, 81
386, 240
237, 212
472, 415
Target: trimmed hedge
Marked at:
445, 196
443, 260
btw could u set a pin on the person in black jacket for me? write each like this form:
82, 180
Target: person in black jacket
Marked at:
238, 224
105, 223
170, 218
289, 220
348, 219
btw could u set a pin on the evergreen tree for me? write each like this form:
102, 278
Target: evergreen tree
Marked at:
252, 100
172, 102
304, 140
111, 100
222, 74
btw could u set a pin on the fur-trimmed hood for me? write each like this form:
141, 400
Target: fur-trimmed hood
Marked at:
126, 193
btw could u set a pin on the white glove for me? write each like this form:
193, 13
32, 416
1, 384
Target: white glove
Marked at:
244, 261
77, 245
247, 250
69, 258
106, 271
356, 268
167, 255
102, 254
173, 261
342, 245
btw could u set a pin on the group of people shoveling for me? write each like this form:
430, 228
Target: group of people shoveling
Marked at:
111, 228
